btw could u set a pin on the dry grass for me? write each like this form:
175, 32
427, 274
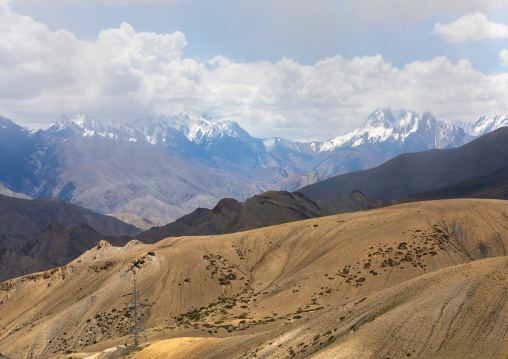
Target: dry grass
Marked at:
420, 280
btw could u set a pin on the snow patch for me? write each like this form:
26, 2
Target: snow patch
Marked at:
269, 143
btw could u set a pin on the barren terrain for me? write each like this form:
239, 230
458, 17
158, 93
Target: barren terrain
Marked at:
419, 280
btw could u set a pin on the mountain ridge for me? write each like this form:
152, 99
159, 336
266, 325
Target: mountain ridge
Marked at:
411, 173
263, 210
139, 166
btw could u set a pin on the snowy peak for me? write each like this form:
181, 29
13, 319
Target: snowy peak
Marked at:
277, 144
485, 124
5, 122
405, 129
383, 125
155, 129
197, 129
380, 118
80, 126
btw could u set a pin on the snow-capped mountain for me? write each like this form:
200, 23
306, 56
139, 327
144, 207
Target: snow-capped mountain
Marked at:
186, 133
80, 126
485, 124
162, 167
197, 129
155, 129
405, 129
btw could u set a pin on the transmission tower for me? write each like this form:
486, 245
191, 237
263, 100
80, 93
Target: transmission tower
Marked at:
136, 329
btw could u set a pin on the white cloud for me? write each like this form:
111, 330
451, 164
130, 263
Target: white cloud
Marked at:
126, 74
414, 11
474, 27
53, 70
503, 55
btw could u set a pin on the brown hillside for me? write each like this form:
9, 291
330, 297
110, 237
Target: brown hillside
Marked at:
262, 210
420, 280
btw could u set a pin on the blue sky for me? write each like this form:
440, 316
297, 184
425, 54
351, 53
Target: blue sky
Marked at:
297, 69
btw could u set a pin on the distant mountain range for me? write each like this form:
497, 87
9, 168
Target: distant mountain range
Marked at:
476, 169
164, 167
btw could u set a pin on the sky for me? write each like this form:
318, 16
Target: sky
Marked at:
298, 69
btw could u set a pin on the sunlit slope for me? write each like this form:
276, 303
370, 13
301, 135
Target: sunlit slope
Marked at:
457, 312
413, 279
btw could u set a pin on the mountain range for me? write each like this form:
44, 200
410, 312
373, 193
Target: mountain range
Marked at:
424, 279
477, 169
164, 167
412, 173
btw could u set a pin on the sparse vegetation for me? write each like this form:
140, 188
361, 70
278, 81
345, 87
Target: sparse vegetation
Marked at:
242, 284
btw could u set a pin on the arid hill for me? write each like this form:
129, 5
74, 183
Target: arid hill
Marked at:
419, 280
56, 245
263, 210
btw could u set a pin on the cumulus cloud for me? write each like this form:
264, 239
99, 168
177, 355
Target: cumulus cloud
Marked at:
52, 69
471, 27
128, 74
413, 11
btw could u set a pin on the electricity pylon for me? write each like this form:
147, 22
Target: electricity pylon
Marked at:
136, 329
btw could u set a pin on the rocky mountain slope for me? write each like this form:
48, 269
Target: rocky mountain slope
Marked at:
53, 247
493, 185
142, 223
425, 280
263, 210
40, 234
413, 173
164, 167
28, 217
